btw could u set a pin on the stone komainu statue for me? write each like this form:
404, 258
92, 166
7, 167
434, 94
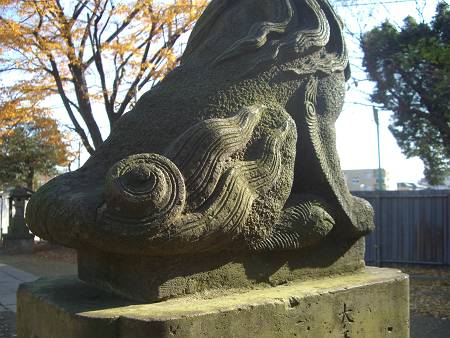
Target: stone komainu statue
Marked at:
233, 150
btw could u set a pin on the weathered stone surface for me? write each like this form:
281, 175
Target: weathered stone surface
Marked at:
18, 239
149, 278
235, 148
371, 303
230, 157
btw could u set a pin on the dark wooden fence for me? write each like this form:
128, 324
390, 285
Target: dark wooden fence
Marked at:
412, 227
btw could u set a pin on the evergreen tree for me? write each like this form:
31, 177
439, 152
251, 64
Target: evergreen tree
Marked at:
411, 70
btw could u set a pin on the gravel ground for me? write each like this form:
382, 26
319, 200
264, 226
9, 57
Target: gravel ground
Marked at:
430, 291
425, 326
46, 261
7, 324
430, 301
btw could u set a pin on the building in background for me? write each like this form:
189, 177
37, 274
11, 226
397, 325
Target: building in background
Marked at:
409, 186
365, 179
444, 186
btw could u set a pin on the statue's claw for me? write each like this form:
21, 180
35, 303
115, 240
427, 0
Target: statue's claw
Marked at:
300, 226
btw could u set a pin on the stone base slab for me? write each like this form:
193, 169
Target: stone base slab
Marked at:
150, 279
371, 303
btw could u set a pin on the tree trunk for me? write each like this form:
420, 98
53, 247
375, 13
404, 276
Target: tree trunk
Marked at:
84, 103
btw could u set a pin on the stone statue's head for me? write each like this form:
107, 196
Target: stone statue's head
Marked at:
258, 34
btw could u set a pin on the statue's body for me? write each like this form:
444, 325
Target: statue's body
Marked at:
234, 150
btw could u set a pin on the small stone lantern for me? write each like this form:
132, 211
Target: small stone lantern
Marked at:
18, 238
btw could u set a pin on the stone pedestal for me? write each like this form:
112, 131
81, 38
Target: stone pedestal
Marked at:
18, 244
150, 279
370, 303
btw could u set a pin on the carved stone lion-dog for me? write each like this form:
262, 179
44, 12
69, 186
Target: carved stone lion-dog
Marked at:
234, 150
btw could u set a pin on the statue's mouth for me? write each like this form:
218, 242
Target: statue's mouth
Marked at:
60, 209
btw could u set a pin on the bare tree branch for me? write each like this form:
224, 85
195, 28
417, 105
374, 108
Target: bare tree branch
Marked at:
69, 110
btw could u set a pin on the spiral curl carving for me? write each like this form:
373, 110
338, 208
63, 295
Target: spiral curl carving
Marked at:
148, 187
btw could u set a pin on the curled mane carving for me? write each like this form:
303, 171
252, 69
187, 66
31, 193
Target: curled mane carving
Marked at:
292, 29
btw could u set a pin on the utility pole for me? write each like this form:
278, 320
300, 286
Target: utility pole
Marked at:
380, 178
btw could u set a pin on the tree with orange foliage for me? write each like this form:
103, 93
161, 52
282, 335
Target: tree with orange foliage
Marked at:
30, 143
89, 51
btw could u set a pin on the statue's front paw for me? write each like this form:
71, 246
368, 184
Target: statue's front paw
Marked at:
319, 222
302, 225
